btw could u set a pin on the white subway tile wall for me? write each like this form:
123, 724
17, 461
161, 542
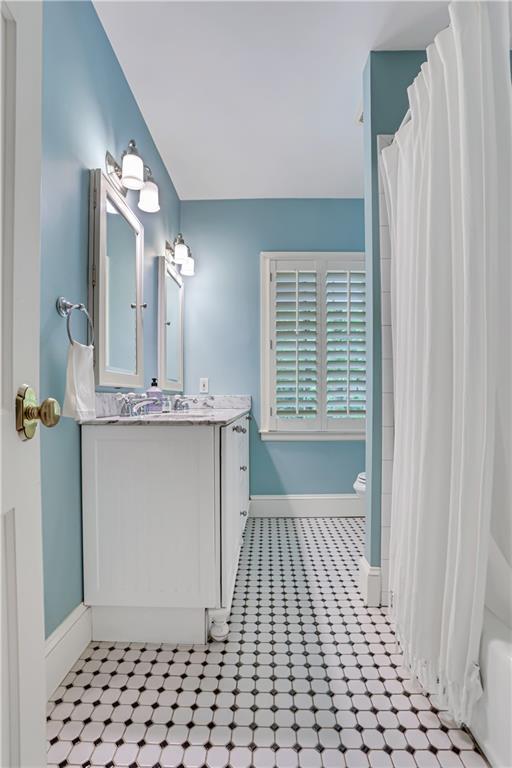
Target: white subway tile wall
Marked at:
388, 420
387, 375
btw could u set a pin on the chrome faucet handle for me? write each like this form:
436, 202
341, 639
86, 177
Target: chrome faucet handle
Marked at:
124, 400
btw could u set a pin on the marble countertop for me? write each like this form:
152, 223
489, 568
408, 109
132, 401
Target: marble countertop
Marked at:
191, 418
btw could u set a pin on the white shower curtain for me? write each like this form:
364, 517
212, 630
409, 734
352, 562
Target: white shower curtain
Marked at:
448, 188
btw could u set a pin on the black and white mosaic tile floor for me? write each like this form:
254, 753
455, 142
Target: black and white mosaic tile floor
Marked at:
308, 677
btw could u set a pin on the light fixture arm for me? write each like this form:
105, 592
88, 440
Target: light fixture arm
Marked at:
132, 148
114, 173
169, 251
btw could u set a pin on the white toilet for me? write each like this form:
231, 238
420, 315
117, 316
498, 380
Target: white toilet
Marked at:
360, 485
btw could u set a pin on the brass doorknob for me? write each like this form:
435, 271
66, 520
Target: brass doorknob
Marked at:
28, 412
48, 412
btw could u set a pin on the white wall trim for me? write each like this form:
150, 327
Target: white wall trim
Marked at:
369, 583
307, 505
65, 644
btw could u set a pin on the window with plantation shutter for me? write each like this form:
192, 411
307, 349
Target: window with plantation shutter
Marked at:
313, 356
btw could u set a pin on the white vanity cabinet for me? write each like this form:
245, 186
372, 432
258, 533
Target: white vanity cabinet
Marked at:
164, 507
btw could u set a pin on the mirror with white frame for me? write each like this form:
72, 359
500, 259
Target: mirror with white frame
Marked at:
116, 267
170, 327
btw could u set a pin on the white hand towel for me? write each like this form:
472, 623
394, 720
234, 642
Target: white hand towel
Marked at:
80, 399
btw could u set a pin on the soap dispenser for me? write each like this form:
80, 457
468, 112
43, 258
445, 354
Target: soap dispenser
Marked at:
155, 393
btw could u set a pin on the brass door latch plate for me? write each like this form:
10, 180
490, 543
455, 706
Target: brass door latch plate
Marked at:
28, 412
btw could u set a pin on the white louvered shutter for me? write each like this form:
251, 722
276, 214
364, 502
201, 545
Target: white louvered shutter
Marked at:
345, 353
296, 368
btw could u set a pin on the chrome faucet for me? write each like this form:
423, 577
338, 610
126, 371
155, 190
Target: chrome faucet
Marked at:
132, 404
141, 404
181, 404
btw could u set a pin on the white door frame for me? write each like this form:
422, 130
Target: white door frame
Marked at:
22, 670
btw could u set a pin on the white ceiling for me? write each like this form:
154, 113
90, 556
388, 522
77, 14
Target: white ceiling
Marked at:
259, 99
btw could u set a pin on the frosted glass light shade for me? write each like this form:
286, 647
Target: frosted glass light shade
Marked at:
188, 267
180, 253
148, 198
132, 171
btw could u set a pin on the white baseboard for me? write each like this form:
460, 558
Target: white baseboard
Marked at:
149, 625
307, 505
65, 644
369, 583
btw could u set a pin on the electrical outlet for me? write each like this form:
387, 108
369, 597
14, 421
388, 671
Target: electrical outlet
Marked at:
203, 386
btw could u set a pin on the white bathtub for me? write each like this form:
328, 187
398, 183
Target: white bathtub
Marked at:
491, 724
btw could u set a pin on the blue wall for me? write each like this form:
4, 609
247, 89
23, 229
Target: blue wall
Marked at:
222, 320
386, 78
87, 108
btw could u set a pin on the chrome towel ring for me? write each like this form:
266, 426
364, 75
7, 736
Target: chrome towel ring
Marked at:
65, 309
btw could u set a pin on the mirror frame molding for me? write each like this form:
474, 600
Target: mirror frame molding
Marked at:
100, 189
164, 268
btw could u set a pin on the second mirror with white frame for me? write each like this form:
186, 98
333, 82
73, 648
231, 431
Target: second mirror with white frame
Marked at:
170, 326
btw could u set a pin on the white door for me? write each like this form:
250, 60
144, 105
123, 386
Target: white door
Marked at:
22, 671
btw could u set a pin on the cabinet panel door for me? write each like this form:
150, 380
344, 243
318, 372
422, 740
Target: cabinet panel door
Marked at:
243, 485
230, 505
149, 516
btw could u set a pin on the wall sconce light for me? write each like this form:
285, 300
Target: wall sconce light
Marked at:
148, 197
133, 174
178, 253
132, 169
181, 250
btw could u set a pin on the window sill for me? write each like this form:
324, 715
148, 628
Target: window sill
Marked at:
311, 436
